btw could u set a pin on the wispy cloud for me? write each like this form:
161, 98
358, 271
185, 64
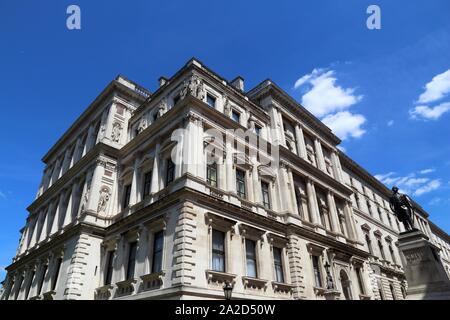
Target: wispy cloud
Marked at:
429, 113
390, 123
426, 171
437, 88
2, 195
430, 186
330, 101
410, 183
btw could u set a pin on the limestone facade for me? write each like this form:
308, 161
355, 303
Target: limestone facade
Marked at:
129, 208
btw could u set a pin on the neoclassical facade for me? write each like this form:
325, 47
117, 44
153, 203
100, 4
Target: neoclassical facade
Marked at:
170, 194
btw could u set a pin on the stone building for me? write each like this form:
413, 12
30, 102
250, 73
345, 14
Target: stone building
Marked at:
170, 194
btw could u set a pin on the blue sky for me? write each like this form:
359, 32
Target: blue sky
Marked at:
386, 92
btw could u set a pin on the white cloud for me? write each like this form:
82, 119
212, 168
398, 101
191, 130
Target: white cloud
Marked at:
410, 184
325, 96
437, 88
343, 149
429, 113
430, 186
2, 195
345, 124
390, 123
426, 171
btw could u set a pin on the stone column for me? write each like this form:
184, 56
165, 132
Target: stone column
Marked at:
337, 170
334, 219
25, 242
59, 211
34, 236
155, 171
94, 190
257, 197
68, 218
45, 226
142, 253
76, 152
312, 202
134, 182
319, 155
283, 189
231, 184
301, 147
292, 197
351, 226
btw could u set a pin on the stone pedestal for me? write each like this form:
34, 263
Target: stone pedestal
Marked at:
427, 279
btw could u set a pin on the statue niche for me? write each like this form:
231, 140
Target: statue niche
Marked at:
103, 200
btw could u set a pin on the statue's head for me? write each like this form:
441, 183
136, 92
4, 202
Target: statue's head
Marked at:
394, 189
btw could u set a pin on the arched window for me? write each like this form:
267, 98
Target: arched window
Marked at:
345, 284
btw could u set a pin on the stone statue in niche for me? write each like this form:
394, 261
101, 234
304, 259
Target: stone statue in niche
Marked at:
402, 207
226, 105
116, 132
193, 87
103, 200
142, 125
162, 107
85, 199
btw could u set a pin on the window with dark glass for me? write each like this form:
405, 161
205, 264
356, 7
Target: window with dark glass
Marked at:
391, 251
250, 258
257, 130
236, 116
392, 291
211, 174
369, 243
210, 100
360, 280
126, 196
170, 172
56, 274
176, 99
380, 247
147, 183
30, 282
317, 272
109, 267
132, 250
265, 194
218, 251
41, 280
158, 245
240, 183
278, 264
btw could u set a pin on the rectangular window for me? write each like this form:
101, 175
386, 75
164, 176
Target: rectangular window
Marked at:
360, 280
278, 264
158, 245
56, 274
147, 183
240, 183
265, 194
391, 251
250, 258
132, 250
109, 267
126, 196
236, 116
170, 172
176, 99
41, 280
257, 130
211, 174
317, 273
218, 251
210, 100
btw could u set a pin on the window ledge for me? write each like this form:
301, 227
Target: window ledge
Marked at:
126, 287
281, 287
104, 292
364, 297
49, 295
254, 283
319, 291
153, 280
218, 278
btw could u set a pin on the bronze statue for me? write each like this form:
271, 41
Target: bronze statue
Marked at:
402, 207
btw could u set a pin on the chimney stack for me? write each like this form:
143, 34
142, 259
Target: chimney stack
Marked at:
238, 83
